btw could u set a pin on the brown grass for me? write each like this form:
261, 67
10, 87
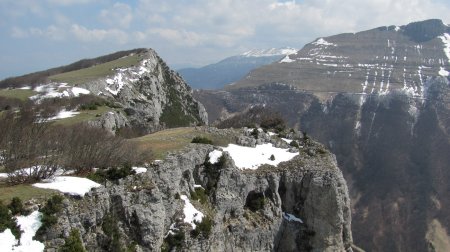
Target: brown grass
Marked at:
176, 139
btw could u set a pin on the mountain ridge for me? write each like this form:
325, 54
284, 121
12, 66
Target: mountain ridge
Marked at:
231, 69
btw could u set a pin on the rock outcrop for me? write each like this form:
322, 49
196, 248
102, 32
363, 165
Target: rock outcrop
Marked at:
301, 205
152, 95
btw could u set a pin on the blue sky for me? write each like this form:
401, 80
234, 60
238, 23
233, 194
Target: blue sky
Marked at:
39, 34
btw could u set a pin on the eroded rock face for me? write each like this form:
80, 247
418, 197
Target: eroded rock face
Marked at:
301, 205
152, 95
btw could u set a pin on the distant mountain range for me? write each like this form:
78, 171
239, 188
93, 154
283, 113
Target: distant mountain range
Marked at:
229, 70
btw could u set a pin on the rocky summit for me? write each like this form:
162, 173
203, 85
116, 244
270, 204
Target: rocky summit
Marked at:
378, 99
299, 205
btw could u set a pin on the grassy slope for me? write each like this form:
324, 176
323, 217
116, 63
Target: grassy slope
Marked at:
95, 72
21, 94
175, 139
24, 192
85, 115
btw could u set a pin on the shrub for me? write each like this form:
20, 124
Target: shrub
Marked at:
200, 195
294, 144
110, 227
305, 137
203, 228
49, 212
73, 243
113, 174
272, 157
16, 206
212, 172
201, 139
175, 240
255, 133
255, 201
7, 221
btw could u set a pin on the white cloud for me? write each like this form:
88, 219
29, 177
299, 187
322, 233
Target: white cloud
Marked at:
84, 34
17, 32
118, 15
51, 32
68, 2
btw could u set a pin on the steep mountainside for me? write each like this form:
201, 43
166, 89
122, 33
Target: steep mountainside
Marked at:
152, 96
379, 100
229, 70
376, 61
300, 205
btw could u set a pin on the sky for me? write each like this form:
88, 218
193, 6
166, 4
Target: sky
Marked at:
40, 34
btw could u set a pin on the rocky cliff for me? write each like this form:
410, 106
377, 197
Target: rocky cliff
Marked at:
151, 94
301, 205
378, 99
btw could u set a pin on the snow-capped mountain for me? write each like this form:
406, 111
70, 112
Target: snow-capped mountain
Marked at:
229, 70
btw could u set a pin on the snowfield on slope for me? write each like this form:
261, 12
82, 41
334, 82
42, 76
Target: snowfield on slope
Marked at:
190, 213
28, 225
252, 158
70, 185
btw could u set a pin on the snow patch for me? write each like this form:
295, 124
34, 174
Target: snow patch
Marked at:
139, 169
290, 140
286, 60
291, 217
57, 90
214, 156
323, 42
63, 114
77, 91
70, 185
29, 225
443, 72
190, 213
252, 158
117, 82
446, 40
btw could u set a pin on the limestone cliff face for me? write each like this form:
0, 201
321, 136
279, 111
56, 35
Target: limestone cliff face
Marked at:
152, 95
142, 209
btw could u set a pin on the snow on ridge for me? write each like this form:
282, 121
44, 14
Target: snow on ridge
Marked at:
253, 157
57, 90
323, 42
71, 185
286, 60
446, 40
125, 76
269, 52
191, 214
